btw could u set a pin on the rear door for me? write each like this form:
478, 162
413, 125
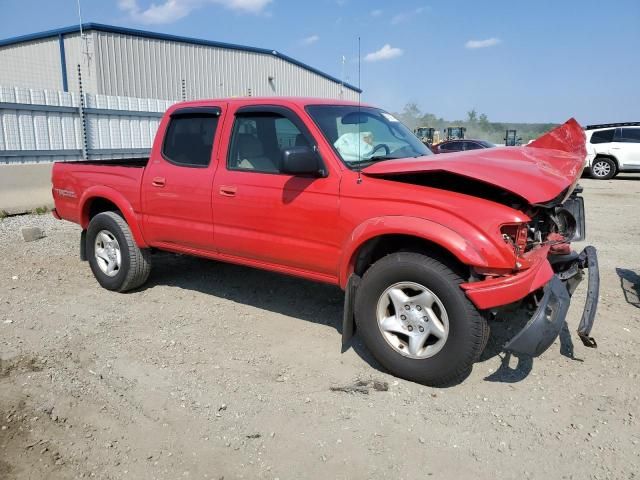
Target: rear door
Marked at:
626, 145
176, 187
601, 142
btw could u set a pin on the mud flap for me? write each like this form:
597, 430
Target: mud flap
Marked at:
348, 320
83, 246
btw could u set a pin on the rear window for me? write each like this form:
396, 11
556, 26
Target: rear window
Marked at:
189, 139
602, 136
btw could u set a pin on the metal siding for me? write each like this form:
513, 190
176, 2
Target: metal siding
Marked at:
34, 64
33, 120
74, 49
151, 67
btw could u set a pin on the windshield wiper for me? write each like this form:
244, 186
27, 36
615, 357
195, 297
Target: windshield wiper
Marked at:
377, 158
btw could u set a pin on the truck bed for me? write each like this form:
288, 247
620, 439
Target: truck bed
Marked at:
74, 181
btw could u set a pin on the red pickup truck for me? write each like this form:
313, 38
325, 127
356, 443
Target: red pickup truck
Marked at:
426, 248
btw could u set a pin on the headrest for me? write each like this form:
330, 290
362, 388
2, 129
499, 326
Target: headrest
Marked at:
301, 140
249, 146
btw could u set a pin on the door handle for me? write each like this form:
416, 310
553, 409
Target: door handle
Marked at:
228, 190
615, 148
158, 181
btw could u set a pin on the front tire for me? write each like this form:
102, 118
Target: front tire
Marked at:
115, 259
603, 168
417, 322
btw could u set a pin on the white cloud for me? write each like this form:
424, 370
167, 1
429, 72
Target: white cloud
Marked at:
247, 6
376, 13
168, 11
404, 16
310, 40
489, 42
387, 52
399, 18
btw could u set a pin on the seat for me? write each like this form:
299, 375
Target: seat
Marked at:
251, 154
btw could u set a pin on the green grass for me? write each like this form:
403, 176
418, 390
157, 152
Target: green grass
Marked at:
40, 210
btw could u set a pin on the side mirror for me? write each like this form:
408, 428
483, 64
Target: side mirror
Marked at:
302, 161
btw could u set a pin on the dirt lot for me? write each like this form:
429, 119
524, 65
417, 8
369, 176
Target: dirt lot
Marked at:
215, 370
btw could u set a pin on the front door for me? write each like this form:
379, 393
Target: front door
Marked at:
176, 186
265, 215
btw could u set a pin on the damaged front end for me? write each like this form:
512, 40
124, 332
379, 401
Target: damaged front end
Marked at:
554, 226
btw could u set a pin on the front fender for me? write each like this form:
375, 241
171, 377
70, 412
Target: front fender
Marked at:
120, 201
484, 255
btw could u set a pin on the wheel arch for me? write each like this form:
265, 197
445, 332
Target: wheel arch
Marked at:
610, 157
103, 199
379, 236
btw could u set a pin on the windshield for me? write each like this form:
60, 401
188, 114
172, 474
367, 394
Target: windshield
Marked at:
486, 144
363, 135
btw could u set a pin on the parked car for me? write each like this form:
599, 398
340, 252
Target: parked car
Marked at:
613, 148
449, 146
342, 193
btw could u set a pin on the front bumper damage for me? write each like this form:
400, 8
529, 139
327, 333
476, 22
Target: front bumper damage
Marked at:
547, 321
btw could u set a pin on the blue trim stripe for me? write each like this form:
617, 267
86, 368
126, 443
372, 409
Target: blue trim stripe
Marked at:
63, 63
172, 38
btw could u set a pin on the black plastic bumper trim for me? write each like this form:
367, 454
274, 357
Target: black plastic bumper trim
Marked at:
589, 259
544, 326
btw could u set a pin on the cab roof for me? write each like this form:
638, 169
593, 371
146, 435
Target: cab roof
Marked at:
282, 101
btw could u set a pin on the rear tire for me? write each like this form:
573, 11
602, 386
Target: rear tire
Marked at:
603, 168
115, 259
387, 331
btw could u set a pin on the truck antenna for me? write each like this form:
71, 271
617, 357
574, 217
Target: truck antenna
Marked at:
83, 37
359, 100
80, 19
344, 59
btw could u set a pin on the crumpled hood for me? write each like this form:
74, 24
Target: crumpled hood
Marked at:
538, 172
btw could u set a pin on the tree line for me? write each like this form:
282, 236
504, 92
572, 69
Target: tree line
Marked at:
478, 125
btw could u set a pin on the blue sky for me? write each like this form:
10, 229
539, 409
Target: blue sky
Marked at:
542, 61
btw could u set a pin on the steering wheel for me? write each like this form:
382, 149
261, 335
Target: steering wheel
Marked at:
387, 151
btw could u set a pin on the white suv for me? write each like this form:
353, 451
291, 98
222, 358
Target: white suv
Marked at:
613, 148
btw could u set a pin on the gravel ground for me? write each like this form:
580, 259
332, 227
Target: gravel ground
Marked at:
214, 370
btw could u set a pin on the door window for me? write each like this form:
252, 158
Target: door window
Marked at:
602, 136
471, 146
629, 135
258, 140
452, 147
288, 134
189, 139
